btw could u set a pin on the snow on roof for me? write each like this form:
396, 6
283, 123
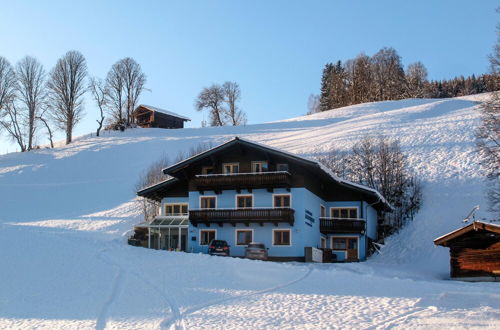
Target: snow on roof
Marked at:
170, 113
441, 240
313, 161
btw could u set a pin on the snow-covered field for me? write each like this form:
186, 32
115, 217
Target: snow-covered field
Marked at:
65, 215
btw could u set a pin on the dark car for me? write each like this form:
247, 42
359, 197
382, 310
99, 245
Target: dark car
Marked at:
256, 251
218, 247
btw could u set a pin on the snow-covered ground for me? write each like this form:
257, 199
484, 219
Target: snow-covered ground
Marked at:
65, 215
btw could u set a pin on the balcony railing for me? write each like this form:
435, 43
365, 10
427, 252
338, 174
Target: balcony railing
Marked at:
243, 180
342, 226
246, 216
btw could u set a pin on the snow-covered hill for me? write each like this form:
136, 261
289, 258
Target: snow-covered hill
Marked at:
65, 214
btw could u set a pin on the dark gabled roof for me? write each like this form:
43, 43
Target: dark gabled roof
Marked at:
476, 225
157, 190
315, 166
163, 111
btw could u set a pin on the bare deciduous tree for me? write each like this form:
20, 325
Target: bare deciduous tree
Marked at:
380, 164
416, 79
212, 98
134, 80
7, 84
99, 92
313, 104
14, 124
488, 133
42, 118
66, 90
31, 93
115, 96
232, 94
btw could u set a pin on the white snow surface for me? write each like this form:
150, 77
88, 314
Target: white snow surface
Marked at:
66, 212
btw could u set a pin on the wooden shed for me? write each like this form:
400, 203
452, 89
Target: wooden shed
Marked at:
147, 116
474, 252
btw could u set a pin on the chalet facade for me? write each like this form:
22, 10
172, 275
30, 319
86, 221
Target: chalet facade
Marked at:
245, 192
474, 252
147, 116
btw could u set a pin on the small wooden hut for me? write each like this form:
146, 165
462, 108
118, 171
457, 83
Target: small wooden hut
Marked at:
474, 252
147, 116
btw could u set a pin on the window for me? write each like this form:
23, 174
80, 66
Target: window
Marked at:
344, 212
258, 167
322, 211
244, 201
176, 209
339, 243
344, 243
322, 241
244, 237
207, 170
208, 202
282, 167
230, 168
206, 236
281, 200
282, 237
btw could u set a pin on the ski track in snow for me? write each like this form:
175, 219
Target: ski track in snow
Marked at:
178, 322
69, 266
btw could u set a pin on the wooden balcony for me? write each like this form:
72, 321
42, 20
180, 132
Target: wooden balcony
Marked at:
342, 226
238, 181
245, 216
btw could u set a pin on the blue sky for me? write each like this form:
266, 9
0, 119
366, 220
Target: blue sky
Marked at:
275, 50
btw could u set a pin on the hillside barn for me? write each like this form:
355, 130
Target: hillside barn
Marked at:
147, 116
474, 252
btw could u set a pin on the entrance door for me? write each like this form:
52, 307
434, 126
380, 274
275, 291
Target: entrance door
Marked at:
352, 249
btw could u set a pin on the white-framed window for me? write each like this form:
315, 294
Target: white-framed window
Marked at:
208, 202
243, 236
175, 209
282, 200
322, 211
282, 237
244, 201
207, 235
207, 170
282, 167
259, 166
322, 242
230, 168
344, 212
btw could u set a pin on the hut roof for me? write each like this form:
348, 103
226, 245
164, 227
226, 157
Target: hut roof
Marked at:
476, 225
163, 111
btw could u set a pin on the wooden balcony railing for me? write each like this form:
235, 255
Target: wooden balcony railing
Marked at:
243, 181
246, 216
342, 226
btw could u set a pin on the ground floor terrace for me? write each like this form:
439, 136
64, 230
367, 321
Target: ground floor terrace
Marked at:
282, 240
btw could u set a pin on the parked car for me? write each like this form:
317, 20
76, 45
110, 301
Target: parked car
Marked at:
256, 251
218, 247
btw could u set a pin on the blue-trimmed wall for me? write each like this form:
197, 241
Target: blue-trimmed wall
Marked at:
304, 233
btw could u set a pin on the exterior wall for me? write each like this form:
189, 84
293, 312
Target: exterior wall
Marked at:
304, 233
172, 200
342, 255
371, 221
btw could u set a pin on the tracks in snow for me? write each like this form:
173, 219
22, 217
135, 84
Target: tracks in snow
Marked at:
178, 321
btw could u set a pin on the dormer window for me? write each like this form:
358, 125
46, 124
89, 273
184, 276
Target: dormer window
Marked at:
260, 166
230, 168
283, 167
207, 170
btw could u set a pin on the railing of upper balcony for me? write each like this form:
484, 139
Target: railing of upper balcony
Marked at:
277, 179
244, 215
342, 225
